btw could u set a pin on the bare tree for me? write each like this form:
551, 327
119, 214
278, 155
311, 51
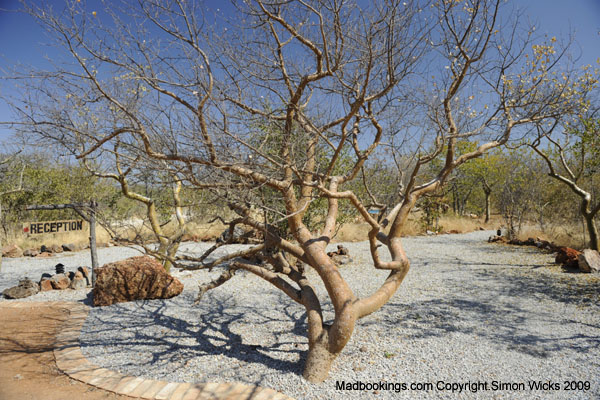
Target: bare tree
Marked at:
571, 156
126, 165
280, 105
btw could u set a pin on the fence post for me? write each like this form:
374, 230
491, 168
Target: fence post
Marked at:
93, 251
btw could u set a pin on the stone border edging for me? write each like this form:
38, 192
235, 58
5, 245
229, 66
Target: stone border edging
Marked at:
71, 361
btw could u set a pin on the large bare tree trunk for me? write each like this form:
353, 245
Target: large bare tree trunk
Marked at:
326, 342
319, 360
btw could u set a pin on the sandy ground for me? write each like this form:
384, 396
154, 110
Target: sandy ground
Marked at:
27, 367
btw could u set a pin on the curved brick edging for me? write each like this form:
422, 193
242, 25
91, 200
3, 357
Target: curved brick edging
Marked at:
71, 361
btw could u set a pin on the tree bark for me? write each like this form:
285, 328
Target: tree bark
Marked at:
592, 231
0, 239
487, 205
319, 360
326, 341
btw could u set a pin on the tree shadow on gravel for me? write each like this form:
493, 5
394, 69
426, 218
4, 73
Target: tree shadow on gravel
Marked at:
146, 337
517, 312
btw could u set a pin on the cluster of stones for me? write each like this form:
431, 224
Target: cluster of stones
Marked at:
341, 256
537, 242
79, 279
14, 251
587, 261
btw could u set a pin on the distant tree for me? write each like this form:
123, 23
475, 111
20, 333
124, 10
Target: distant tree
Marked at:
520, 189
355, 78
7, 188
486, 173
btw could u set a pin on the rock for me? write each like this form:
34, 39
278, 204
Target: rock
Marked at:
46, 285
70, 247
25, 288
136, 278
59, 268
78, 281
189, 238
60, 281
341, 259
567, 257
45, 249
341, 256
342, 251
31, 252
501, 239
589, 261
44, 254
56, 248
12, 251
238, 236
85, 272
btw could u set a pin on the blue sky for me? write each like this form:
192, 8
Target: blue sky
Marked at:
23, 42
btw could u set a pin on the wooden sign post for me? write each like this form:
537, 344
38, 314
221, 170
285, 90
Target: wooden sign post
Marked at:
87, 211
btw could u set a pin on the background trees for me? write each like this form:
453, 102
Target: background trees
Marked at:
277, 108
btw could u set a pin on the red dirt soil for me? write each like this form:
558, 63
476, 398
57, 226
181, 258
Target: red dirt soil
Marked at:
27, 367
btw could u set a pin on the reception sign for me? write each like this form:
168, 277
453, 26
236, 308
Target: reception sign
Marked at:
38, 228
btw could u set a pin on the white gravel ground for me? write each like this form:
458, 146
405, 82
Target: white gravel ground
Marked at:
468, 312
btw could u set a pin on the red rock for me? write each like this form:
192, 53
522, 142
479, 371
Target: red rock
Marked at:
568, 257
44, 254
136, 278
12, 251
45, 285
60, 282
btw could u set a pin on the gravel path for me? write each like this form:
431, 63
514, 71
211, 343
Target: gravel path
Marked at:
467, 313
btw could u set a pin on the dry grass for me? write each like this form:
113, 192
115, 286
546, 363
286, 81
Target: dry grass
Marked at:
461, 224
129, 231
561, 235
357, 231
79, 238
350, 232
205, 231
